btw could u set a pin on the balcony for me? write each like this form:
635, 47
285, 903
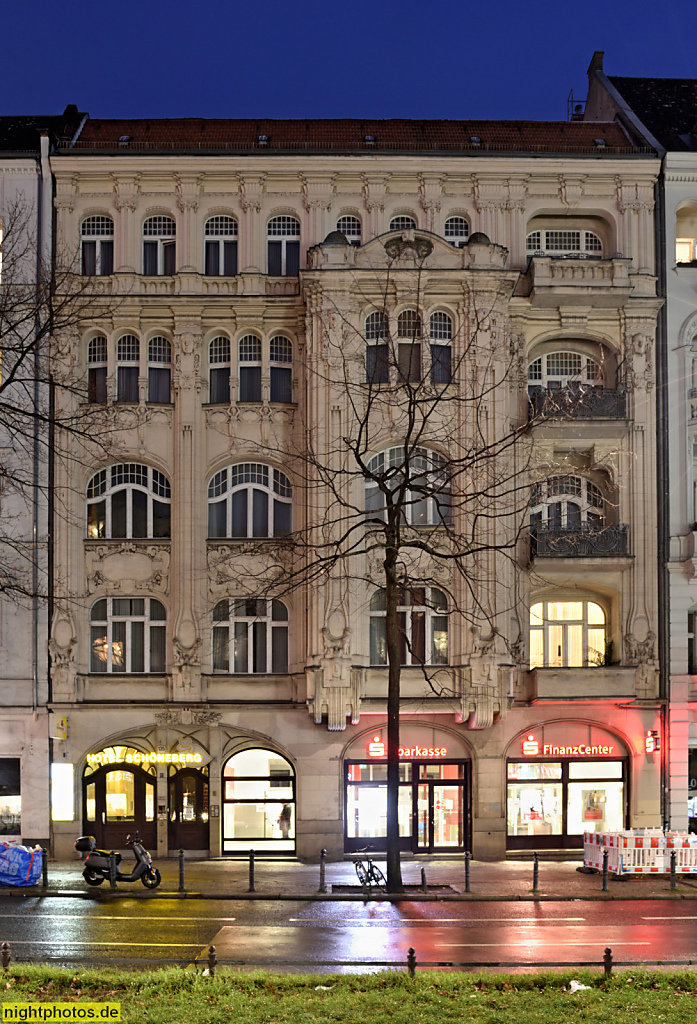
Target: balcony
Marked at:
577, 402
577, 279
583, 541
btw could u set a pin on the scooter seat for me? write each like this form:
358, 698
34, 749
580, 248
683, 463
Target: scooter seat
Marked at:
106, 854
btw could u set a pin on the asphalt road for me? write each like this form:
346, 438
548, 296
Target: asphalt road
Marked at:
293, 935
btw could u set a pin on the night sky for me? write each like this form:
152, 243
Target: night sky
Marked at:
367, 58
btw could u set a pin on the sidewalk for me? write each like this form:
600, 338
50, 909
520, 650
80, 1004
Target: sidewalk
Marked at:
290, 880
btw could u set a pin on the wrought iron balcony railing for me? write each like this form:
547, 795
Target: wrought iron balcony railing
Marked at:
577, 402
586, 539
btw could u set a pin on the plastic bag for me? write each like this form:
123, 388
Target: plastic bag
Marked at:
19, 865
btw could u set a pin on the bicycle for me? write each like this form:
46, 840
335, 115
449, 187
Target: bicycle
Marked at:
369, 874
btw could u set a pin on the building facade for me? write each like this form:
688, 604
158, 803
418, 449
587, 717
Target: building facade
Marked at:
248, 278
663, 112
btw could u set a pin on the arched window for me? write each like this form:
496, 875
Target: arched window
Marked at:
423, 627
221, 246
159, 370
219, 363
350, 226
127, 368
127, 634
377, 353
250, 636
567, 634
97, 246
96, 369
159, 246
565, 502
281, 369
249, 500
402, 222
427, 499
128, 500
558, 370
564, 242
258, 802
249, 368
457, 231
440, 338
283, 246
409, 345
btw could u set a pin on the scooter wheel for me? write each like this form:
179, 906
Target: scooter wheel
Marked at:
151, 879
93, 877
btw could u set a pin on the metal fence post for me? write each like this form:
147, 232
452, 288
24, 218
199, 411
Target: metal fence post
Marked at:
182, 887
322, 871
606, 854
424, 884
5, 955
411, 962
607, 962
673, 858
212, 960
44, 868
112, 870
251, 872
535, 872
468, 858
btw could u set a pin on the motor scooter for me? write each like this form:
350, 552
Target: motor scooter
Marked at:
96, 868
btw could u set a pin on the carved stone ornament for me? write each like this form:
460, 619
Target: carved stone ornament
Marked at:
128, 565
338, 700
639, 652
172, 716
186, 656
487, 694
205, 717
416, 247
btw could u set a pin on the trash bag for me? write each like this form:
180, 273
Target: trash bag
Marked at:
19, 865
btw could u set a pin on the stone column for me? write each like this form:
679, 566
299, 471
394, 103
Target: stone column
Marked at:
431, 189
252, 257
188, 189
127, 257
374, 190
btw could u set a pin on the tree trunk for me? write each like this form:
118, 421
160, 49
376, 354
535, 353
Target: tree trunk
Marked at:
394, 867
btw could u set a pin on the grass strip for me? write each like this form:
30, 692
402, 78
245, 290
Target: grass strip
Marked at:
175, 996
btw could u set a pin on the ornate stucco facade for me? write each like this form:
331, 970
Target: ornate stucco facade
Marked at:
556, 246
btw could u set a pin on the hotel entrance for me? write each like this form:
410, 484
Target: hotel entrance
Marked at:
434, 793
118, 798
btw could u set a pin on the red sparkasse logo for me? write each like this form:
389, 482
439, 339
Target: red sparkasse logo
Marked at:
530, 746
376, 748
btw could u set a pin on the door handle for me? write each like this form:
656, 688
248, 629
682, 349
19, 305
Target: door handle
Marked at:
103, 817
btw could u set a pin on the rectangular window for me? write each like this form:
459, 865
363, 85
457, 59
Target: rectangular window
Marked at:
279, 649
150, 259
118, 514
217, 519
127, 384
169, 250
220, 386
274, 259
250, 383
259, 653
107, 259
96, 384
241, 641
292, 259
96, 520
409, 362
161, 515
221, 649
139, 513
229, 259
10, 797
377, 364
440, 364
89, 259
260, 514
239, 514
137, 647
157, 648
98, 649
212, 268
118, 646
281, 518
159, 384
281, 384
378, 640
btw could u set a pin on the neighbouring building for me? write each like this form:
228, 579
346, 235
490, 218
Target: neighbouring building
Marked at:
663, 113
229, 260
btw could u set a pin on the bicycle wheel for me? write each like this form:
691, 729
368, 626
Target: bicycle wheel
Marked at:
361, 872
376, 879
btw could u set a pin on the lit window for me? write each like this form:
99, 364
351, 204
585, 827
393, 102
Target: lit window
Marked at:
127, 634
283, 247
249, 499
221, 246
567, 634
128, 500
250, 636
159, 246
97, 246
422, 617
427, 498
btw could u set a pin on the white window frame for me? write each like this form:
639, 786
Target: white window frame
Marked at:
575, 496
96, 221
219, 359
352, 228
542, 622
280, 358
97, 368
129, 477
164, 236
589, 374
113, 617
243, 615
247, 359
433, 509
251, 477
231, 234
125, 345
541, 240
453, 230
434, 609
403, 222
282, 220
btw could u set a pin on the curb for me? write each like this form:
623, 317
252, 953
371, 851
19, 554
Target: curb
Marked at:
317, 897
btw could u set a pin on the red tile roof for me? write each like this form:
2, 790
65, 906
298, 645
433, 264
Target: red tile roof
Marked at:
342, 135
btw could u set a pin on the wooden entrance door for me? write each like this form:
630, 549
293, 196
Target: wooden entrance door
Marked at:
188, 810
118, 800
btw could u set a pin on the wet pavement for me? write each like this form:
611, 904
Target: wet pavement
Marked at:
291, 880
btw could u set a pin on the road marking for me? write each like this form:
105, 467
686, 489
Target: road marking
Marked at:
671, 917
438, 920
113, 917
449, 945
77, 942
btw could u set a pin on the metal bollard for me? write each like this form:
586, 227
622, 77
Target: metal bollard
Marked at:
112, 870
322, 871
411, 962
5, 955
607, 962
424, 885
182, 887
606, 854
535, 872
468, 858
44, 868
212, 960
251, 872
673, 857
